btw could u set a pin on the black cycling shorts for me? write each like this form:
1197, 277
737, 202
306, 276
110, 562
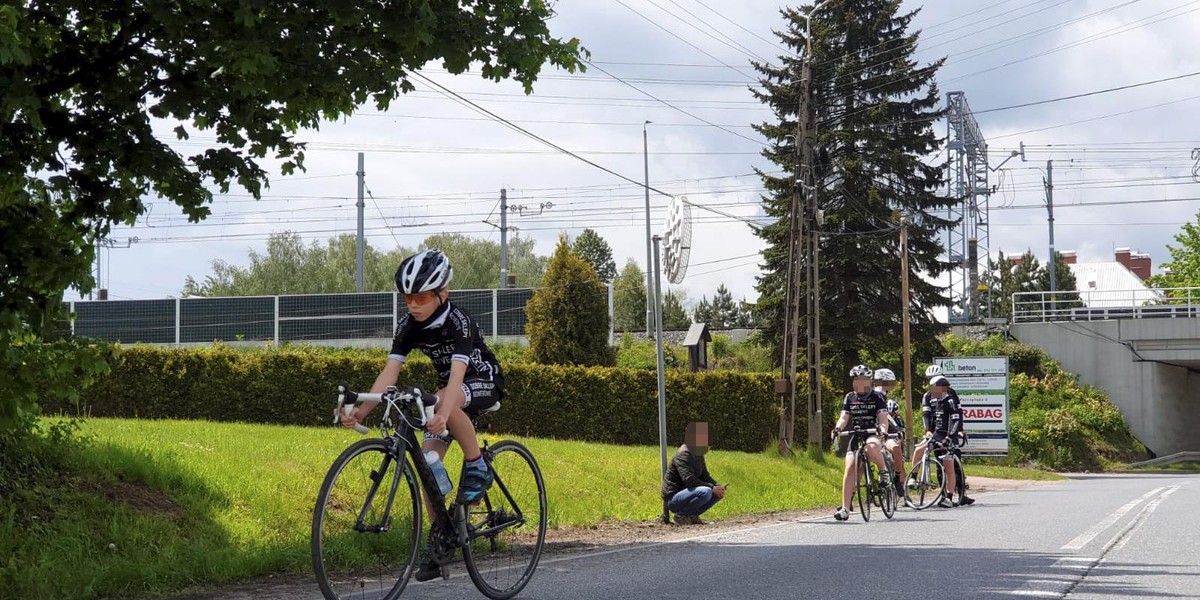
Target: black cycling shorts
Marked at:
479, 394
844, 446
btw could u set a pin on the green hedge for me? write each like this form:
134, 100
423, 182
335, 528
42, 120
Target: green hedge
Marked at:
294, 386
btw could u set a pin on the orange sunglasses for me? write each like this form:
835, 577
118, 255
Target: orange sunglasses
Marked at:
420, 298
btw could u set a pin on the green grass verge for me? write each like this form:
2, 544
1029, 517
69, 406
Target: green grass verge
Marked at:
1003, 472
1183, 466
154, 507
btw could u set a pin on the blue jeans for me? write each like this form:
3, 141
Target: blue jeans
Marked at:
692, 502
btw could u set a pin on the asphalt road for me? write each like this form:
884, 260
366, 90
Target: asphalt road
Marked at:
1092, 537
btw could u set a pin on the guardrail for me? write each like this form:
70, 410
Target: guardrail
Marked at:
1100, 305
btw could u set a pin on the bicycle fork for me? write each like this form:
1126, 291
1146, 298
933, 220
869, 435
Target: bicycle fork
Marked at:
385, 519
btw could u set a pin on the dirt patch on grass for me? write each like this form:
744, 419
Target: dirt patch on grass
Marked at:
139, 497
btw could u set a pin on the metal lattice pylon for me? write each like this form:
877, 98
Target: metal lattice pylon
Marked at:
967, 178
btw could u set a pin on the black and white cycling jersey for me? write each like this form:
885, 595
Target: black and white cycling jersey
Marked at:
450, 336
942, 416
864, 409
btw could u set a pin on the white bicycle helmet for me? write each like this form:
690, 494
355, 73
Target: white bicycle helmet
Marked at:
893, 406
861, 371
885, 375
933, 371
425, 271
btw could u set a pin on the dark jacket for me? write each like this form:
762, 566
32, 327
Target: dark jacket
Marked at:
686, 471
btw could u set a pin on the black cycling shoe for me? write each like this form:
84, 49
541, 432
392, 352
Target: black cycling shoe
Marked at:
428, 569
965, 501
429, 566
476, 483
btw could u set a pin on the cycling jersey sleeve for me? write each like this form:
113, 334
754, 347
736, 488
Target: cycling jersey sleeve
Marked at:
460, 326
402, 344
927, 413
955, 420
846, 402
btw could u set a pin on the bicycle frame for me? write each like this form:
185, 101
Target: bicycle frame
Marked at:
403, 440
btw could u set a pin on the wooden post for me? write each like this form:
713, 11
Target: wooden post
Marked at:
906, 352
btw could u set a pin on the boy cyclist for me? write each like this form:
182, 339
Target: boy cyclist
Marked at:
885, 382
863, 408
469, 377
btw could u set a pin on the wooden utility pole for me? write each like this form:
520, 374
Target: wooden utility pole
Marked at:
905, 352
803, 245
786, 385
812, 286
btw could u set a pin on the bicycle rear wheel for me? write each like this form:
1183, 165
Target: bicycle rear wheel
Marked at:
366, 524
924, 486
960, 480
508, 527
863, 491
888, 497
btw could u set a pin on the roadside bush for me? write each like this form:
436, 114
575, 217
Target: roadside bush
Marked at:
1025, 359
633, 353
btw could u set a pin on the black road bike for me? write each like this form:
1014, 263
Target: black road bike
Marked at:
366, 529
870, 488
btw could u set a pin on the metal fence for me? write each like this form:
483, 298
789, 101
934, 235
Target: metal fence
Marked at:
299, 318
1099, 305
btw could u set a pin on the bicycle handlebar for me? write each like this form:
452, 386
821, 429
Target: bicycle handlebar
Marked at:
347, 400
860, 431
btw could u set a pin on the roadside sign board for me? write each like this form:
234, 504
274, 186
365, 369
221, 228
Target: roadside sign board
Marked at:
982, 386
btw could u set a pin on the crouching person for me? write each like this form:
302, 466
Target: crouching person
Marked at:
689, 489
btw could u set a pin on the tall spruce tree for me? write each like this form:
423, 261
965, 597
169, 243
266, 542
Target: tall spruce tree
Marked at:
590, 246
874, 107
629, 299
674, 316
1011, 275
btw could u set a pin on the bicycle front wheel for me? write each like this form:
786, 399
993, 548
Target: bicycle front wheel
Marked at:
863, 491
366, 524
924, 486
508, 527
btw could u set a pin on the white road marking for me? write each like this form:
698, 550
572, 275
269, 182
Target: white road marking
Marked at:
1082, 539
1079, 567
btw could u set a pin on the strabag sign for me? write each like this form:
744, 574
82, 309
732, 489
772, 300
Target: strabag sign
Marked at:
981, 383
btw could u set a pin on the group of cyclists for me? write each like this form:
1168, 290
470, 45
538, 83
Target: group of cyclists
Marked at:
868, 410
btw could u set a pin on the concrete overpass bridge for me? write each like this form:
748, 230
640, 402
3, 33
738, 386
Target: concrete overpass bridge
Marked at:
1141, 346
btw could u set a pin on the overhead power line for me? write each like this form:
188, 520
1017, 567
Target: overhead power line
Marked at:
698, 118
543, 140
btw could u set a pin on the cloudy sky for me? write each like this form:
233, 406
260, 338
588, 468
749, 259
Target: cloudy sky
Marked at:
435, 165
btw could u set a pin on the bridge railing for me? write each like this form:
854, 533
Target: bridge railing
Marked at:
1100, 305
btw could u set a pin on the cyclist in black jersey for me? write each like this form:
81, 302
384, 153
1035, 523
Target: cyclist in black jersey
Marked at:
469, 377
943, 422
885, 382
960, 438
863, 408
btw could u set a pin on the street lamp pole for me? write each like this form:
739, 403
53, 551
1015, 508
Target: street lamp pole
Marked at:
649, 258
